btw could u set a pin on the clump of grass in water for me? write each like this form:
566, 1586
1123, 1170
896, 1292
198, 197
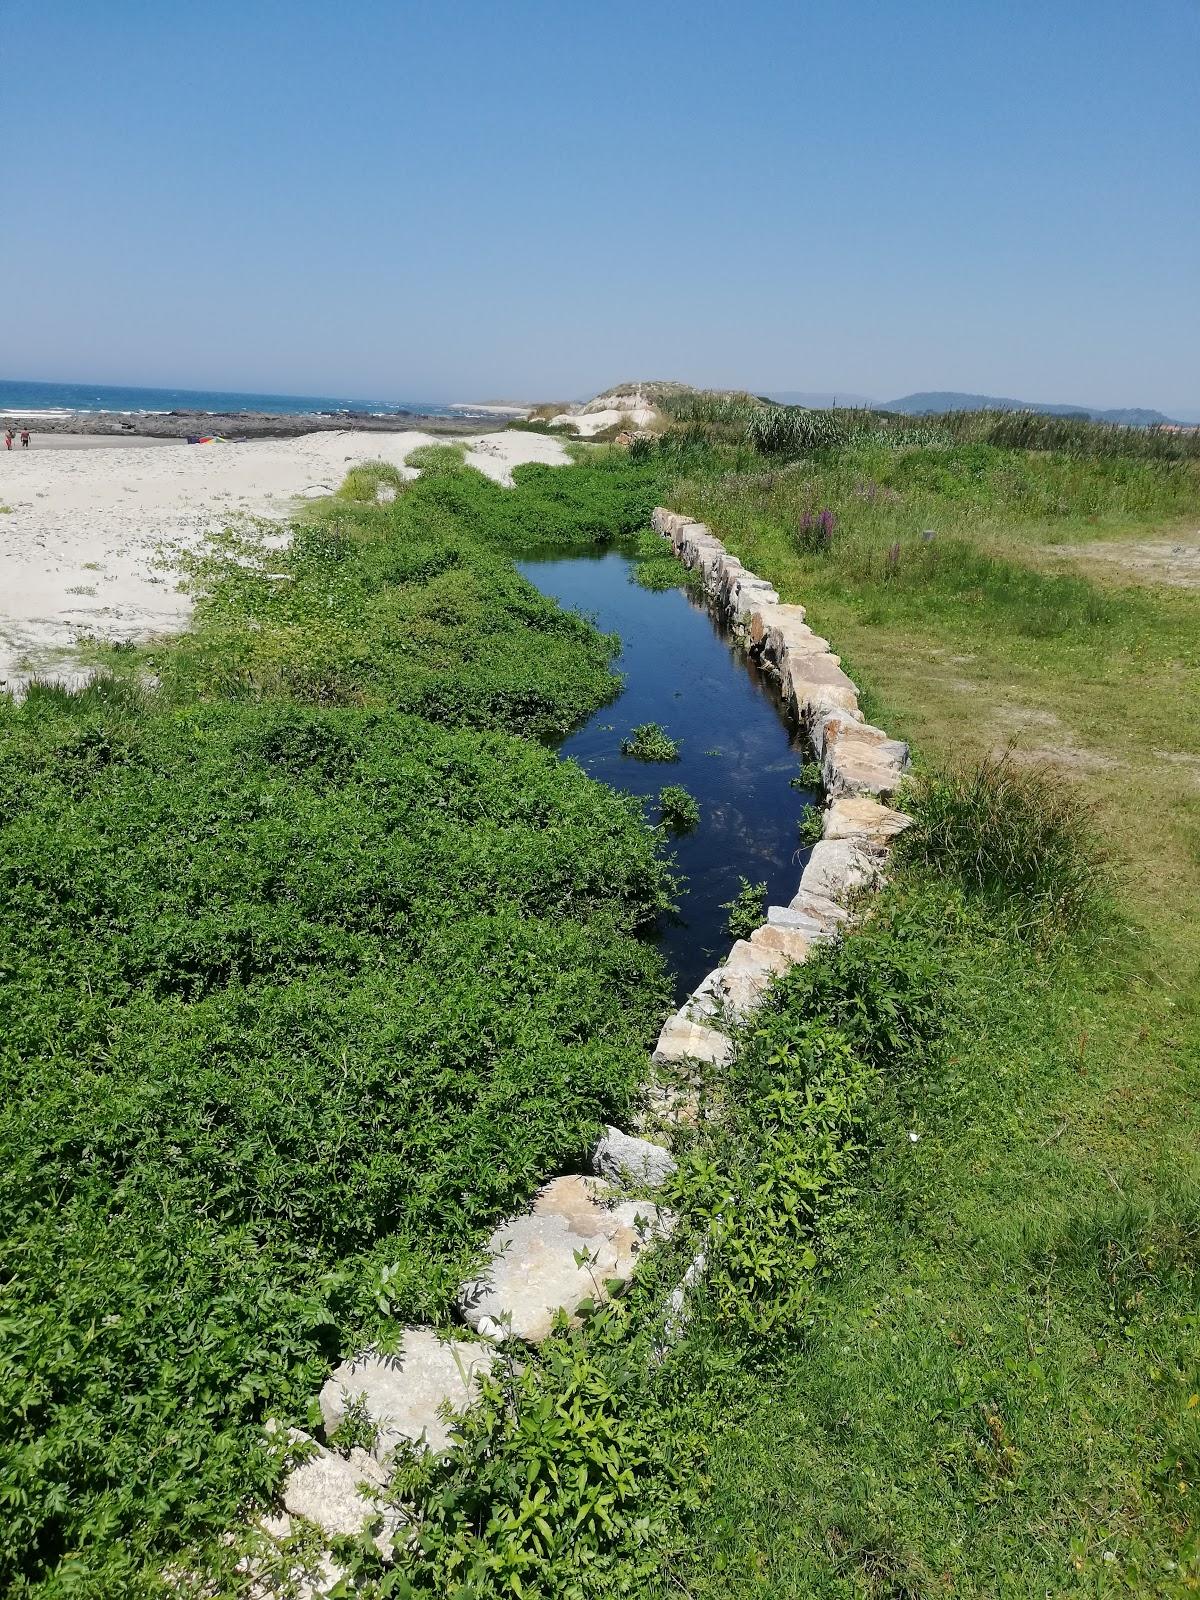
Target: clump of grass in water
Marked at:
680, 810
650, 742
746, 910
1019, 835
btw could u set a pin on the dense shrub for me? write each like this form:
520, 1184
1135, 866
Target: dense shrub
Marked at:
650, 741
778, 1203
299, 994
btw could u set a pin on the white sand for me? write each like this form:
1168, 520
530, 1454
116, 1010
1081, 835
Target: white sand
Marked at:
81, 530
630, 409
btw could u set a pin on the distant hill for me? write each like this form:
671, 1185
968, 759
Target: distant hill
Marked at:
949, 400
819, 400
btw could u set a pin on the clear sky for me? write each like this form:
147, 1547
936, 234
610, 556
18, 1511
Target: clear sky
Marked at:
538, 198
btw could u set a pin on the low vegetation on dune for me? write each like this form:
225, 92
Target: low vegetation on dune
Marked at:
317, 961
312, 969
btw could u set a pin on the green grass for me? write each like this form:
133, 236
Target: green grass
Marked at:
436, 458
318, 961
995, 1393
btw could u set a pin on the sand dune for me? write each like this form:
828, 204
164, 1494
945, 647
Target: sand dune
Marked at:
82, 530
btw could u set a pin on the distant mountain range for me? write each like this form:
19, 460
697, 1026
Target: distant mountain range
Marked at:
819, 399
950, 400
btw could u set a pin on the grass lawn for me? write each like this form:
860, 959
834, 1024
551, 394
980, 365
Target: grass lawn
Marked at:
998, 1396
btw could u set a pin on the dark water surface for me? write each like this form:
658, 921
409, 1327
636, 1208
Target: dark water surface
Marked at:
737, 753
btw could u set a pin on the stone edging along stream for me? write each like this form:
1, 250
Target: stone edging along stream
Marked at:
535, 1270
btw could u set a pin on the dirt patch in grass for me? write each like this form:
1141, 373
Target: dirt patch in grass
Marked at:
1166, 561
1057, 747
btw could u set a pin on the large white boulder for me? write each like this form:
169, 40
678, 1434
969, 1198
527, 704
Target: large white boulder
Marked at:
553, 1258
404, 1394
684, 1039
620, 1156
838, 868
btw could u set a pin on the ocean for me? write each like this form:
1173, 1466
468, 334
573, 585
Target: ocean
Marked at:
28, 398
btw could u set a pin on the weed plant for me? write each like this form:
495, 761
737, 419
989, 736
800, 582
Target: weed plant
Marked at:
746, 910
680, 811
649, 741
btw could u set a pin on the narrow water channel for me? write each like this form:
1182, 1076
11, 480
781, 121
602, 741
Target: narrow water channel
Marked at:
737, 753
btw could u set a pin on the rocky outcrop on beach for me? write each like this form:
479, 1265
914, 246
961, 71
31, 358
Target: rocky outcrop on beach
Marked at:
251, 424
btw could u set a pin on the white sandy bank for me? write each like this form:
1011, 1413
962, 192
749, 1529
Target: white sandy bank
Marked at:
81, 530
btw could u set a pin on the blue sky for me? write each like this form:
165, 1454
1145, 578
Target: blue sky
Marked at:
401, 198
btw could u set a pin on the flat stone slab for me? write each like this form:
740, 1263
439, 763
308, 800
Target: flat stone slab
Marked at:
792, 942
405, 1393
739, 984
858, 759
838, 868
816, 684
683, 1039
622, 1156
535, 1272
325, 1489
864, 818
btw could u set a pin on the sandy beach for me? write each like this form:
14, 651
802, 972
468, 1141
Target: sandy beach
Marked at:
84, 521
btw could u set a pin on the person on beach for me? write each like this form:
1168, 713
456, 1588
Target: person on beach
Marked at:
24, 438
8, 438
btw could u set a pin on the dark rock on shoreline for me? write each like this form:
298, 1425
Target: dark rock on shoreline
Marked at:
250, 424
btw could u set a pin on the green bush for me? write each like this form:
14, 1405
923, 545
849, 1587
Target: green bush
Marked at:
650, 742
746, 910
679, 809
776, 1205
301, 992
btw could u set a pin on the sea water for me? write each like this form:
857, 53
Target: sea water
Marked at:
57, 399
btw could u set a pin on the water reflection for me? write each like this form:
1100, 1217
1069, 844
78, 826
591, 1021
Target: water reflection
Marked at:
737, 755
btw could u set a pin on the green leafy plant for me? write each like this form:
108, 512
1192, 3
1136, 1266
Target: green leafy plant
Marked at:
777, 1206
356, 1430
746, 910
679, 809
812, 825
810, 776
650, 742
562, 1484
